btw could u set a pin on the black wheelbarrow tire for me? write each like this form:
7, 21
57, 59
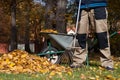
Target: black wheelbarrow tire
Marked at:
53, 58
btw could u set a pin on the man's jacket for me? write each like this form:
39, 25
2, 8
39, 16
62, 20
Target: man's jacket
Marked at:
92, 3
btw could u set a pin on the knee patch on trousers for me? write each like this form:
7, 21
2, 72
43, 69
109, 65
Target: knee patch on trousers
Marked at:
102, 40
100, 13
82, 40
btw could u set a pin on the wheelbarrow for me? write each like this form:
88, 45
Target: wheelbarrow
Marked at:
57, 45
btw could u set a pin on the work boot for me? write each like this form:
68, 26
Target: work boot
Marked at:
109, 68
77, 65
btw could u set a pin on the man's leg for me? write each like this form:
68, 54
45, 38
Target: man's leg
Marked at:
80, 53
104, 45
103, 39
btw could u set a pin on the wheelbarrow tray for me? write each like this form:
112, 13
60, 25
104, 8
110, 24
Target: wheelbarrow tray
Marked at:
65, 41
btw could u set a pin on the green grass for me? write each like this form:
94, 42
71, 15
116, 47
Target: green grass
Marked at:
91, 72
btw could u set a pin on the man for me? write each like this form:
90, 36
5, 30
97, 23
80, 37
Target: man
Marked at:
93, 13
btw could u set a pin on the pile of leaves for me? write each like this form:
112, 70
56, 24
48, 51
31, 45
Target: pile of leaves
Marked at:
19, 61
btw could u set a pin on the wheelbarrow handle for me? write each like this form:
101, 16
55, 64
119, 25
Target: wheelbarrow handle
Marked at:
116, 32
111, 35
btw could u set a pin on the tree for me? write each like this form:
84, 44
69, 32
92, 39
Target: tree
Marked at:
114, 14
4, 26
60, 16
50, 13
27, 28
55, 16
13, 26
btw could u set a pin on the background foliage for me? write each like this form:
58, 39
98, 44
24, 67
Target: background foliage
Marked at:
36, 16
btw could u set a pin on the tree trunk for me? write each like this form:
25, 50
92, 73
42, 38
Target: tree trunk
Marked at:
60, 16
13, 42
49, 14
27, 30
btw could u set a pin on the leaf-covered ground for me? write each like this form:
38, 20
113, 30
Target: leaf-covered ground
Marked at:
19, 65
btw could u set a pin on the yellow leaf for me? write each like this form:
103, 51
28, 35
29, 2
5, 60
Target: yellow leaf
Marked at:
92, 78
12, 64
110, 77
52, 73
70, 73
23, 56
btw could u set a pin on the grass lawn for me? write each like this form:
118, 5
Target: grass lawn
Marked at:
91, 72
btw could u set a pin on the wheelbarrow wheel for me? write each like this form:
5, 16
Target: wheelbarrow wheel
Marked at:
53, 58
66, 57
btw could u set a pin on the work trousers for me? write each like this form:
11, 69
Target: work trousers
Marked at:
91, 19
